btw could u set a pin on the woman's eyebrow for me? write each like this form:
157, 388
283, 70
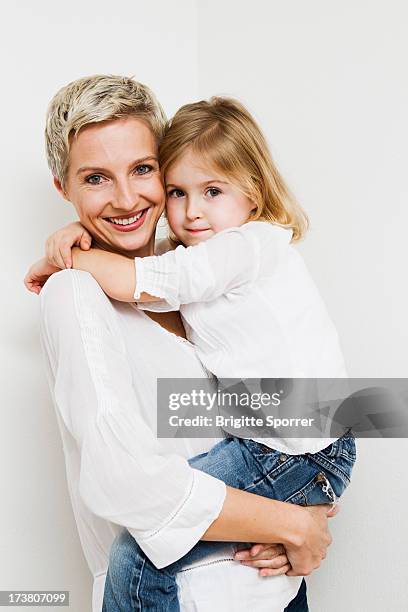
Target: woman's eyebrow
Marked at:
101, 169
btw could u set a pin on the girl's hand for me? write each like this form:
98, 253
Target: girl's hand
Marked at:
38, 275
59, 244
270, 559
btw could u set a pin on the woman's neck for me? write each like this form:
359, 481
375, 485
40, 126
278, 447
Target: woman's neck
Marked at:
144, 251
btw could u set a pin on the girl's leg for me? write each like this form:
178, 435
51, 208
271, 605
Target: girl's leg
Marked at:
134, 584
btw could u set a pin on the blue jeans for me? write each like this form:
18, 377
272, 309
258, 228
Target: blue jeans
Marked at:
134, 584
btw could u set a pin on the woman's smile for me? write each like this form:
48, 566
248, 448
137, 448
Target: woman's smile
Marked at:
129, 222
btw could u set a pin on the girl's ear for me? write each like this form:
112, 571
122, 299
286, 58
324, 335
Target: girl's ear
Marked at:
59, 188
254, 208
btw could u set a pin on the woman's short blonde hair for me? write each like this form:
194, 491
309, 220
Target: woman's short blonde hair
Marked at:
224, 134
93, 99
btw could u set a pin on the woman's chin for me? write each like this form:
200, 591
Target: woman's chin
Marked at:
132, 241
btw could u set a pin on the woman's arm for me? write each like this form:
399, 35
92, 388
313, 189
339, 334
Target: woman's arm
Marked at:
125, 475
249, 518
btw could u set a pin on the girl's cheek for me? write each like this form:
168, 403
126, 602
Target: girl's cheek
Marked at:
173, 215
156, 190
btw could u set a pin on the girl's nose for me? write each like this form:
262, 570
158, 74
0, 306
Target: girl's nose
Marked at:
193, 209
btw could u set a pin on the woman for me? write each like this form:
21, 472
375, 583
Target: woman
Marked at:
103, 361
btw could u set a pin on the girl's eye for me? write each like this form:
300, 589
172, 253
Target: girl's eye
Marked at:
94, 179
213, 192
143, 169
175, 193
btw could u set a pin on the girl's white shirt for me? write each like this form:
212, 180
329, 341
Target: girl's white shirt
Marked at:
251, 309
103, 359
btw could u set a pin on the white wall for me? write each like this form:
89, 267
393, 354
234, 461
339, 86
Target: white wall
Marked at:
328, 83
46, 44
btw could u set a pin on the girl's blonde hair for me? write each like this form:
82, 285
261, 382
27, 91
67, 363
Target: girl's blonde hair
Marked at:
225, 135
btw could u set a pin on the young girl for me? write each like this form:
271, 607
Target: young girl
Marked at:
246, 298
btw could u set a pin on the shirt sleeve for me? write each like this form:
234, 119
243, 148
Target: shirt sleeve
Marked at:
125, 476
228, 262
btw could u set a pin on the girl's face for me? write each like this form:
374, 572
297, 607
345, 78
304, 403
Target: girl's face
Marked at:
114, 182
200, 202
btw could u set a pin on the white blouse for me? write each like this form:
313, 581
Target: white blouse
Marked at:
103, 358
251, 309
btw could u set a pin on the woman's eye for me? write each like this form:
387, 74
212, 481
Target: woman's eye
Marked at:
175, 193
94, 179
143, 169
213, 192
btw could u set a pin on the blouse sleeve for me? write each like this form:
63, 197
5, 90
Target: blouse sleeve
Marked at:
228, 262
125, 476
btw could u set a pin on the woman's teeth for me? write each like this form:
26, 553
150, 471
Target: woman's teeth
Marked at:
126, 221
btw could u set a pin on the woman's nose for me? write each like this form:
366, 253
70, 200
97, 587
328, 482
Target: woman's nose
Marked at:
126, 197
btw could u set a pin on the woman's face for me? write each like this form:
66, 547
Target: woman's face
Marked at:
114, 182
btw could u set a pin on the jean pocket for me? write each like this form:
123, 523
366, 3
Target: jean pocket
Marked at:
348, 448
337, 459
345, 446
320, 489
271, 462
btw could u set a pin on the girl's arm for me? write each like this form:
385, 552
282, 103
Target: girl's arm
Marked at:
227, 262
57, 254
58, 245
114, 273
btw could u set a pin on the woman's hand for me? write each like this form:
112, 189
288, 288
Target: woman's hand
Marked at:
58, 246
270, 559
38, 275
306, 554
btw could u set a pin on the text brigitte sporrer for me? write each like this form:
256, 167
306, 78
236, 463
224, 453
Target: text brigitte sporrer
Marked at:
237, 422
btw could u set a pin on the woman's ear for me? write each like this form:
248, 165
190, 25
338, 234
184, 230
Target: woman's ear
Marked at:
60, 188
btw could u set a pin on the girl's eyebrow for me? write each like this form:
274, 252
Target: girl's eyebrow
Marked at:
214, 181
100, 169
202, 184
